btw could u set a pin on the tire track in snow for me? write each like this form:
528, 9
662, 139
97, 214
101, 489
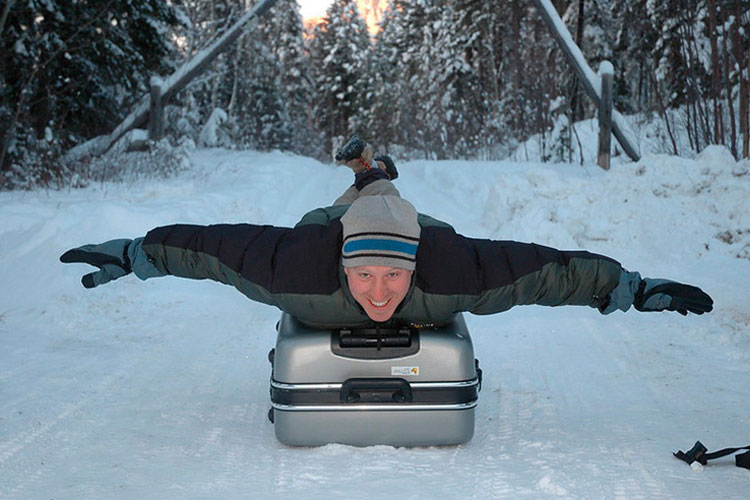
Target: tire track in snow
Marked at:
21, 455
521, 435
498, 484
619, 347
228, 445
33, 454
27, 438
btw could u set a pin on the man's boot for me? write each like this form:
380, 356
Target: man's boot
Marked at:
355, 154
386, 164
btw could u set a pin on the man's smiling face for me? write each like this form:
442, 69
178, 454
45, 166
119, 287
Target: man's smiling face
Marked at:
378, 289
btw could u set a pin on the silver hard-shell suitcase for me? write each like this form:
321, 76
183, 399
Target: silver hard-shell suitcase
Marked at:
402, 386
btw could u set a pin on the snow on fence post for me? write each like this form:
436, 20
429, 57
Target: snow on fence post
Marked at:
589, 80
156, 110
606, 72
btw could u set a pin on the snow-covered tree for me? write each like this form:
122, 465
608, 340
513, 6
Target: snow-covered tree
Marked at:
634, 72
215, 87
340, 55
398, 65
589, 21
383, 111
271, 84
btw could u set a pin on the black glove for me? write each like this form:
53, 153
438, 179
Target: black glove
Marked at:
660, 295
110, 257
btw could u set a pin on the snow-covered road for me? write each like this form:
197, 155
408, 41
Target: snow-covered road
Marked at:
159, 389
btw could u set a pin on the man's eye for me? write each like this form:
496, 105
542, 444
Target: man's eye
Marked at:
394, 275
364, 276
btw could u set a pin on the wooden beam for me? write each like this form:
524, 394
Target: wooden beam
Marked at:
156, 110
587, 77
178, 80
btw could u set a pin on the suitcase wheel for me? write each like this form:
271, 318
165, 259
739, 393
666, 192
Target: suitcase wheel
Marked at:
270, 415
479, 374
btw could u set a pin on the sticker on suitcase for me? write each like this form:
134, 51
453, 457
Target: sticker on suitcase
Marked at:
404, 370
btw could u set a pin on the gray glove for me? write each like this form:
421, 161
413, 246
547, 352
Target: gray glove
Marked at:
660, 295
111, 258
115, 259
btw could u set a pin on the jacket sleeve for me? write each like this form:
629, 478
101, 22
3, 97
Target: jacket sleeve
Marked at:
259, 261
549, 277
493, 276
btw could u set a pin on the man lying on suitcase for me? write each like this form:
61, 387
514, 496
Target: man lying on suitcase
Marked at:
372, 257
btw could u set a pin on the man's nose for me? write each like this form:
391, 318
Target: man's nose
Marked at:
379, 289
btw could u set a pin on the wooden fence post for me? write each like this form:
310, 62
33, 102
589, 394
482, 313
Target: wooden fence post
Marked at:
156, 110
606, 72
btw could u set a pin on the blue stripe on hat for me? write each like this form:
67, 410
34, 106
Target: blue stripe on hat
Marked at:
380, 245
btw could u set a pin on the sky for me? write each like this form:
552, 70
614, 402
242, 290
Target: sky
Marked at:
313, 8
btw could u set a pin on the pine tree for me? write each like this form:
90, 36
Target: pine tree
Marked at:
339, 53
634, 70
385, 81
296, 80
681, 58
536, 86
399, 65
590, 23
273, 87
217, 86
450, 114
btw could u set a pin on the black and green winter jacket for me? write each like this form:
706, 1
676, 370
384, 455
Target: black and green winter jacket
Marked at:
299, 270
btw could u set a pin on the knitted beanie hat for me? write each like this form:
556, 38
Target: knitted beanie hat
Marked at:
380, 231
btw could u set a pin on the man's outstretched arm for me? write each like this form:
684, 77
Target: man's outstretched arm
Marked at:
489, 276
259, 261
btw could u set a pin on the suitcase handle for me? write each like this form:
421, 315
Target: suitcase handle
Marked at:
376, 390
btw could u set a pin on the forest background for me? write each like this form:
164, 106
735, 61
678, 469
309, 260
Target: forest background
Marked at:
439, 79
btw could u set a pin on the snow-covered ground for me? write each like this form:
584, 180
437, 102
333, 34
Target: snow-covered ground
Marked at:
159, 389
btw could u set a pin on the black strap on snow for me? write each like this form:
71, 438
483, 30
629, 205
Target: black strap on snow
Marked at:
698, 453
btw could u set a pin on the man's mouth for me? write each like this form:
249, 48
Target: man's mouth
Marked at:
379, 304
